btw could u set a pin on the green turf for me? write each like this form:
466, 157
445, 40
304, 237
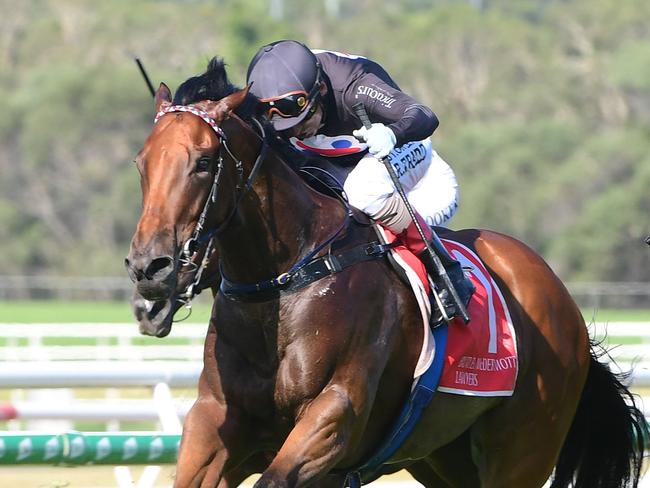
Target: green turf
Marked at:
79, 311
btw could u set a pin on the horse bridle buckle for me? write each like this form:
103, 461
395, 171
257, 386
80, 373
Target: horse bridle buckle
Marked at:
284, 278
190, 247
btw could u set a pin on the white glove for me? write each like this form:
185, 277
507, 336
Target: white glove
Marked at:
381, 139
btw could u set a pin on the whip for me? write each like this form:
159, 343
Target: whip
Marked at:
146, 77
360, 111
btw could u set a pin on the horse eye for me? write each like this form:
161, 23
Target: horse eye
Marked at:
203, 164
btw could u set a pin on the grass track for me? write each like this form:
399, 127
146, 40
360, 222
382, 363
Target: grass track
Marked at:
50, 311
46, 311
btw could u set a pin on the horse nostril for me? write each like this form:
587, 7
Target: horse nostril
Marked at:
157, 266
134, 274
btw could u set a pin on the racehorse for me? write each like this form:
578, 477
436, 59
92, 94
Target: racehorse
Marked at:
301, 383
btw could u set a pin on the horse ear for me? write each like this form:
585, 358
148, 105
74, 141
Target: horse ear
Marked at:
162, 98
234, 100
222, 109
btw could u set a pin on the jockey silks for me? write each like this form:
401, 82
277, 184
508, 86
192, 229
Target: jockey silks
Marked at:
353, 79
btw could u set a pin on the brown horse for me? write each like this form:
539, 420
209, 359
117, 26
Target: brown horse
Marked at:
301, 384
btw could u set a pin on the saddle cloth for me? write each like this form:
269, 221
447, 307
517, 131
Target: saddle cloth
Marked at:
480, 357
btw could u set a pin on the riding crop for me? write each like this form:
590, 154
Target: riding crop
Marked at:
360, 111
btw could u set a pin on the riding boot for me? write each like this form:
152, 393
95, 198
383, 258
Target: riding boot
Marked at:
463, 285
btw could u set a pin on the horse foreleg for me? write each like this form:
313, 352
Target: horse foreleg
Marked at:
316, 443
255, 464
204, 453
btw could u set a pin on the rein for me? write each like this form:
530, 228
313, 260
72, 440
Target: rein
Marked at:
308, 269
198, 235
230, 288
194, 287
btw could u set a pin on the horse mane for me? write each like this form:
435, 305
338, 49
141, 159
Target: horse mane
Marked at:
213, 84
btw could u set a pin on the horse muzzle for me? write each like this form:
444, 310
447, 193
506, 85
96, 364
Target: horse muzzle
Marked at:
154, 278
154, 317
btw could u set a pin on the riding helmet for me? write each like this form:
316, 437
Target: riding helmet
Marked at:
286, 79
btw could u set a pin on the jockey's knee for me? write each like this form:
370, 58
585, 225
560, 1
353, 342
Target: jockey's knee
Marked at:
436, 196
393, 214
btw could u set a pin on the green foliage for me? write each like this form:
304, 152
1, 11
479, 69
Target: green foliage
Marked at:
629, 66
613, 199
544, 109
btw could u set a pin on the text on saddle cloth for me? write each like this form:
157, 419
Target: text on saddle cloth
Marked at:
481, 357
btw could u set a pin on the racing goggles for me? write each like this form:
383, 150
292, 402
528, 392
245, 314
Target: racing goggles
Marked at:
290, 104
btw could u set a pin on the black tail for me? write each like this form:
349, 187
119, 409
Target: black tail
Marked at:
604, 447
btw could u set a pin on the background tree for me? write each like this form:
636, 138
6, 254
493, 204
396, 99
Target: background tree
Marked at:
544, 108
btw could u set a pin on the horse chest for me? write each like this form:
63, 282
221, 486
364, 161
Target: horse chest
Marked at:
268, 384
300, 378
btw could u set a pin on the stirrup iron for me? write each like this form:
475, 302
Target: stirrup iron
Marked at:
441, 307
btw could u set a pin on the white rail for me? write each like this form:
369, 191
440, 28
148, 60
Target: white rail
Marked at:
36, 356
176, 374
93, 341
98, 374
62, 409
98, 330
122, 410
103, 353
122, 342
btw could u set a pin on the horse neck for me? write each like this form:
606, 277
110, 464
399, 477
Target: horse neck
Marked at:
278, 221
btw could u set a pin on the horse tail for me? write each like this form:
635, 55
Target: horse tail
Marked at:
605, 444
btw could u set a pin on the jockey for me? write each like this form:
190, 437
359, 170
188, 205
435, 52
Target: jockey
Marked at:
308, 97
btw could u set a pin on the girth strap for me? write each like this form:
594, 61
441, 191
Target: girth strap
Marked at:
421, 395
312, 271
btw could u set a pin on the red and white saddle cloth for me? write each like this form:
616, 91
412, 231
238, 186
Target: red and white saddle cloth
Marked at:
481, 357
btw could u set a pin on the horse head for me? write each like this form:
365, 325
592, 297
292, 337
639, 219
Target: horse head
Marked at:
180, 168
210, 174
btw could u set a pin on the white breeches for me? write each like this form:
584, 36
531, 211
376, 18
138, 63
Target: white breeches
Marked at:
427, 179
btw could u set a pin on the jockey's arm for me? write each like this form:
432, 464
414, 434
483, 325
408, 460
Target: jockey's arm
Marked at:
408, 119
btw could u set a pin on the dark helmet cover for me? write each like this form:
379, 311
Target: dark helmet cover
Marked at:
282, 68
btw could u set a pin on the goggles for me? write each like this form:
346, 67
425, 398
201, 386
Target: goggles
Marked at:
290, 104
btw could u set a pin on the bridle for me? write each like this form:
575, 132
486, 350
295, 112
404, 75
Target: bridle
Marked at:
200, 235
194, 287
